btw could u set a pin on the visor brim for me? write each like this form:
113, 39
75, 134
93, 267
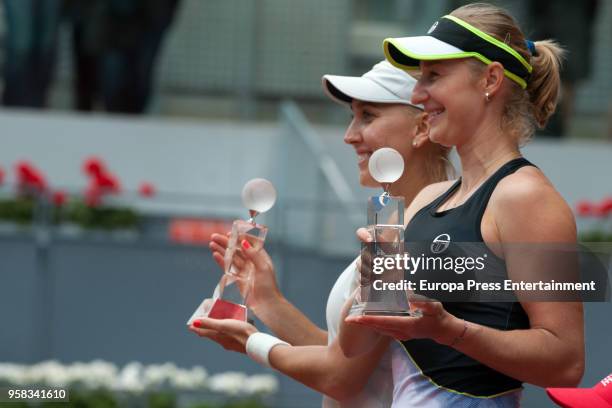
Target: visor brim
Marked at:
343, 89
407, 52
573, 397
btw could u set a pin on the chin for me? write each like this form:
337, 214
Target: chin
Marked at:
438, 138
367, 181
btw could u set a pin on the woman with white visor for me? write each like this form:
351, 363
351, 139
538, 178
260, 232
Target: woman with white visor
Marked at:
382, 117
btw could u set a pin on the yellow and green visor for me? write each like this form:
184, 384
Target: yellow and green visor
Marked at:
450, 38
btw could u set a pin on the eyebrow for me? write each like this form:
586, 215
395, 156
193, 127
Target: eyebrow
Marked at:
371, 105
432, 63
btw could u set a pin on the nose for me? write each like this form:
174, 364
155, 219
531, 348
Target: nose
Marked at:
419, 93
352, 134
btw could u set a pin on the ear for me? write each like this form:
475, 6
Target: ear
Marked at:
421, 130
493, 78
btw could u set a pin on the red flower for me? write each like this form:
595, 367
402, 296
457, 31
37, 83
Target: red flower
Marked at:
107, 182
584, 208
146, 189
93, 194
29, 178
59, 198
93, 166
605, 207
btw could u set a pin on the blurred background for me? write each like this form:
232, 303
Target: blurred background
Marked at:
128, 128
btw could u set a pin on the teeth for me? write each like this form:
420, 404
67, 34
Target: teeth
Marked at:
436, 113
363, 156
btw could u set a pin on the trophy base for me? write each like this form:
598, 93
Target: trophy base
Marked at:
223, 309
387, 313
363, 310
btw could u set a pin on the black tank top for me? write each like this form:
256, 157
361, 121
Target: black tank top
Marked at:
444, 365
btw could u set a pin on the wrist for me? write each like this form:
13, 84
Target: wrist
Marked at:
259, 345
268, 305
453, 331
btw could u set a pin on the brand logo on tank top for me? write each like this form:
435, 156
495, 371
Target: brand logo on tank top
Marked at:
440, 243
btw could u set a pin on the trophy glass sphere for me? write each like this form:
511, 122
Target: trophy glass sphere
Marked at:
386, 165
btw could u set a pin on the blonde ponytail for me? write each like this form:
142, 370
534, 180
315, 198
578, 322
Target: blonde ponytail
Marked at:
545, 81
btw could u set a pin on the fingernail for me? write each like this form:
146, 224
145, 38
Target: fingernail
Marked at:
197, 323
245, 244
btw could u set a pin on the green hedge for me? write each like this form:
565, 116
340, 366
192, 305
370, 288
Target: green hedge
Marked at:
21, 211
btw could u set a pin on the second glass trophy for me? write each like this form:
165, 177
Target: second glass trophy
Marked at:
381, 291
230, 297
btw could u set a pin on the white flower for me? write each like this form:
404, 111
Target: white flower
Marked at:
229, 383
77, 373
261, 384
49, 372
199, 376
135, 377
130, 378
158, 375
96, 374
189, 379
102, 374
13, 373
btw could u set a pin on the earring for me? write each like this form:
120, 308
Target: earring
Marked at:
487, 97
414, 143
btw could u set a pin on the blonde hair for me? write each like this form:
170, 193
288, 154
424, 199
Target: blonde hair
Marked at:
439, 167
528, 108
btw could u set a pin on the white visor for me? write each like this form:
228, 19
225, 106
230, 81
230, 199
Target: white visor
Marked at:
382, 84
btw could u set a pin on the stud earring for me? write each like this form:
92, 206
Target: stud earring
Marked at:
414, 143
487, 97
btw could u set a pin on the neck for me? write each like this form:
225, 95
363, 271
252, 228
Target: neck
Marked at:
414, 179
487, 150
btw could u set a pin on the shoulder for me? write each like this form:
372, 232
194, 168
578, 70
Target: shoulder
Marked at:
526, 188
527, 206
427, 195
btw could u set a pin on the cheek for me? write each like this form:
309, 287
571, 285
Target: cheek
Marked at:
373, 136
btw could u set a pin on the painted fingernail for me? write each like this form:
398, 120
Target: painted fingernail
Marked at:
197, 323
245, 244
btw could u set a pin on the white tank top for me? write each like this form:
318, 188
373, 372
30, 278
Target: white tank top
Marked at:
378, 392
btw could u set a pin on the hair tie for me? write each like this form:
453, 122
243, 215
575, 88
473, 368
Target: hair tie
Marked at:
531, 47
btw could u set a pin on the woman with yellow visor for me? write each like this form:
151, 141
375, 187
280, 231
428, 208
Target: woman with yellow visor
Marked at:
485, 88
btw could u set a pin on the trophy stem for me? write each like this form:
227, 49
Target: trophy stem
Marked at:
253, 214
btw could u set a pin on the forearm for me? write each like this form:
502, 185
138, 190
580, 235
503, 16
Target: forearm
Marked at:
288, 323
326, 369
536, 355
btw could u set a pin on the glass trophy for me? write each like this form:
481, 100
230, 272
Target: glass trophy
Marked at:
230, 296
381, 292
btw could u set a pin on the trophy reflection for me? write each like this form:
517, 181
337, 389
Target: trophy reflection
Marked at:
231, 294
381, 292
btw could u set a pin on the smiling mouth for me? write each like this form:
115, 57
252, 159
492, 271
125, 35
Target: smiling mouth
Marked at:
363, 157
435, 113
